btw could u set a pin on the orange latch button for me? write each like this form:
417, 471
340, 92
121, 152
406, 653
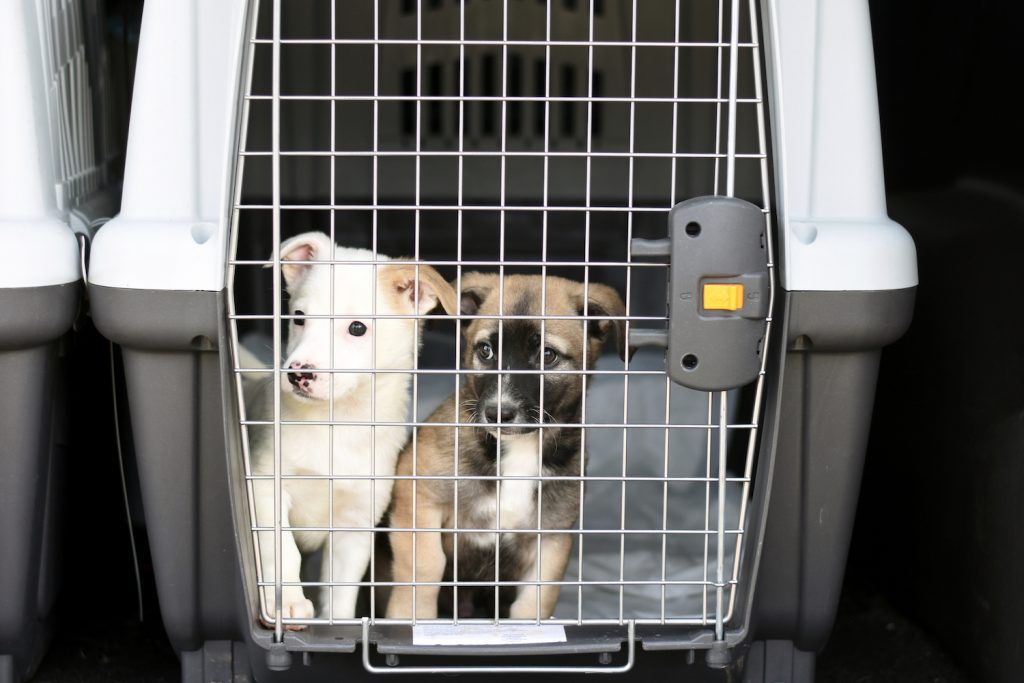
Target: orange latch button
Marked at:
723, 297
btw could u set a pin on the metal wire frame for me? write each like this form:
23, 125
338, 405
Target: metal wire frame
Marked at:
470, 208
478, 264
498, 43
490, 584
723, 585
509, 153
486, 477
484, 98
549, 424
504, 530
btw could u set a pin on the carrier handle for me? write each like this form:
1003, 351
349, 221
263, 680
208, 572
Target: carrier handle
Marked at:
598, 669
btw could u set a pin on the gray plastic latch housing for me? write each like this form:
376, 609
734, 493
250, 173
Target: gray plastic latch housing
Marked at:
719, 292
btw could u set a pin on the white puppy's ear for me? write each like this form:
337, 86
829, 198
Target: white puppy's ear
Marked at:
309, 246
401, 279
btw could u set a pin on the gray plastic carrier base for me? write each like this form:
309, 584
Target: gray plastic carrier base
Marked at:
32, 319
777, 661
763, 662
819, 397
833, 342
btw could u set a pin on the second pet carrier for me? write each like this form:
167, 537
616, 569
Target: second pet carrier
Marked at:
55, 149
699, 181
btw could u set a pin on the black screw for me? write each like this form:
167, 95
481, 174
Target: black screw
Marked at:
689, 362
692, 229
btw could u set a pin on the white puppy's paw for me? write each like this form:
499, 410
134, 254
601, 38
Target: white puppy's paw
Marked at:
294, 606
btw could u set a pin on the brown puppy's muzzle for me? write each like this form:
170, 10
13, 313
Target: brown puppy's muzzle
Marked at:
512, 415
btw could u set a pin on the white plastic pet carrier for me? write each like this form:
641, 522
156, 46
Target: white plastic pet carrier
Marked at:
711, 167
56, 148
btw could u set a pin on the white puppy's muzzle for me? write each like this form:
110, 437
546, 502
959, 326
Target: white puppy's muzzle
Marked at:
308, 381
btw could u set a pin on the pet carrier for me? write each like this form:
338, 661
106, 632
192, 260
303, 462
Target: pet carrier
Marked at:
54, 185
699, 180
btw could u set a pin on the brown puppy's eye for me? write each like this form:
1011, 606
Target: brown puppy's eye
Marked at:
300, 321
485, 352
550, 356
357, 329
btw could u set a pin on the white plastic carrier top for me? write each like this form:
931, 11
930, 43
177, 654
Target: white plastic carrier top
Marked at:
171, 232
836, 234
36, 246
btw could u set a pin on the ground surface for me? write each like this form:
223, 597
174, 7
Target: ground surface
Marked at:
873, 643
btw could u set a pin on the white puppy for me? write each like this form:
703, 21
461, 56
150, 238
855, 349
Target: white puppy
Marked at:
350, 340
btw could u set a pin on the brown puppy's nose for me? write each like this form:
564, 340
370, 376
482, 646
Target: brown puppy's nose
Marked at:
301, 379
508, 412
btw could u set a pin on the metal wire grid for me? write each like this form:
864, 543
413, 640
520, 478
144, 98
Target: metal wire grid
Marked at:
715, 533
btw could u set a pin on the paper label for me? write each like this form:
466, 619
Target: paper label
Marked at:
486, 634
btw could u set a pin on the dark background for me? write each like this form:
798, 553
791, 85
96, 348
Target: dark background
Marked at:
932, 590
938, 533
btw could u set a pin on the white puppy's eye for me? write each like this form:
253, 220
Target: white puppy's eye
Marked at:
484, 351
357, 329
299, 320
550, 356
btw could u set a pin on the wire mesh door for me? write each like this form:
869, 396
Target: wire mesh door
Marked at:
462, 435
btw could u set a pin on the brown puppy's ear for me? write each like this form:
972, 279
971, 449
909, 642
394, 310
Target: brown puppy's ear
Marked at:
476, 287
420, 298
603, 300
309, 246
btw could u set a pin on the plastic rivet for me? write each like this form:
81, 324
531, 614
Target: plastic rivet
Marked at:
278, 658
719, 656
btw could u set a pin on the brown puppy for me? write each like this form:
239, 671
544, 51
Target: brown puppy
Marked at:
508, 415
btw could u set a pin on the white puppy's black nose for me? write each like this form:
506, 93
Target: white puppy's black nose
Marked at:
508, 412
301, 380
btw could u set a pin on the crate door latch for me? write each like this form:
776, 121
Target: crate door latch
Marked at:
718, 292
